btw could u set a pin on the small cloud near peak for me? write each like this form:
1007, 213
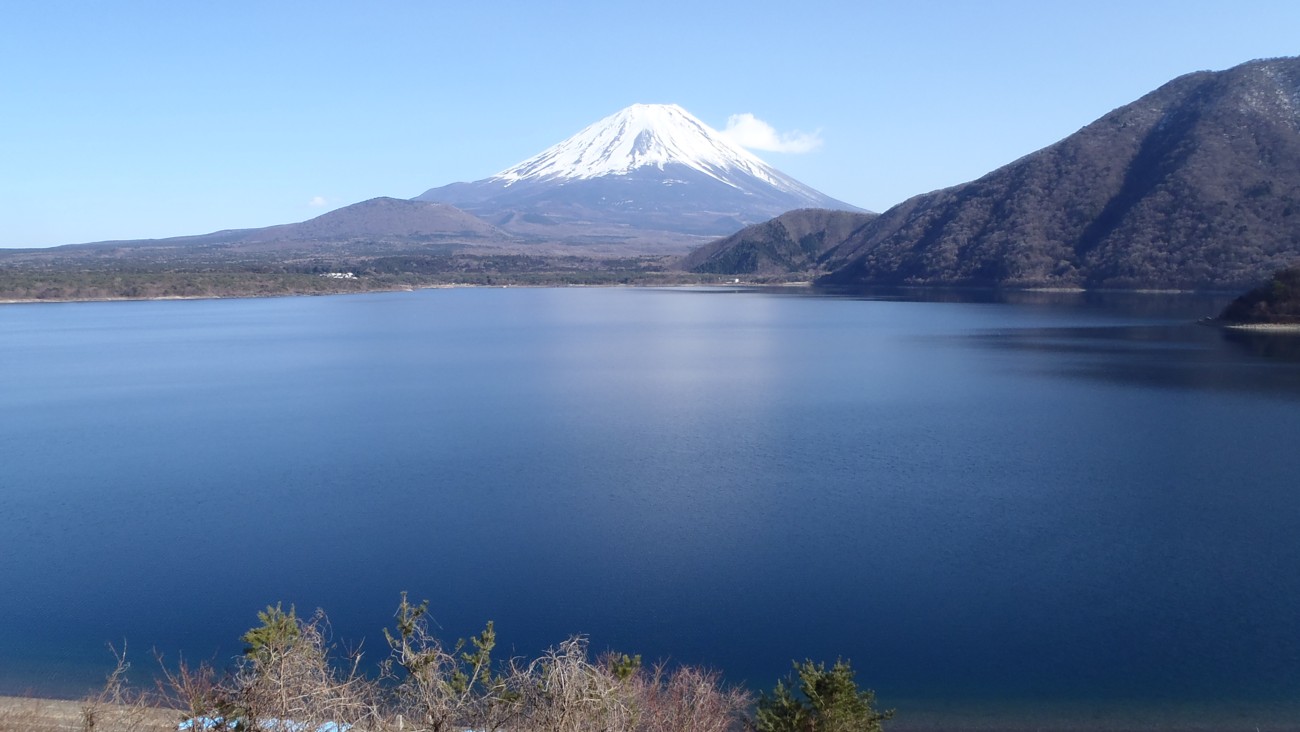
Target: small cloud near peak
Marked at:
751, 132
318, 202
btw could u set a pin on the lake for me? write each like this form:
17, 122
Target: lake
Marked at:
1023, 502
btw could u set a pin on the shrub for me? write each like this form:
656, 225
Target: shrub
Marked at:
289, 678
828, 700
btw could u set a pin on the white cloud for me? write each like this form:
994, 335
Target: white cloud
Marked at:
318, 202
749, 131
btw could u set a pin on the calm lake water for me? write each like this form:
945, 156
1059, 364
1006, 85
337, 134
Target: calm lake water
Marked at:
1049, 500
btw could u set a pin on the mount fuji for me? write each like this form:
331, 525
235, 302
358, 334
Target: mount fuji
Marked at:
650, 172
650, 179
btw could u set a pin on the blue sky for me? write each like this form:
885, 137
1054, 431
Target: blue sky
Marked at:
150, 119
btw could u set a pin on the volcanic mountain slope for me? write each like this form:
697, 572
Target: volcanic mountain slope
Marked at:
381, 220
792, 242
646, 168
392, 219
650, 179
1195, 185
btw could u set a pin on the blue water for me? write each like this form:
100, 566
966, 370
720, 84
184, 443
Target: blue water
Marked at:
1038, 500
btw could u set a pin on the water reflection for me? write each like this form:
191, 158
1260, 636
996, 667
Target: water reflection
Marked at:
1280, 346
1191, 306
1177, 356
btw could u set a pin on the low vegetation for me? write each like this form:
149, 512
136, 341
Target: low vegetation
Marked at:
139, 277
817, 699
292, 677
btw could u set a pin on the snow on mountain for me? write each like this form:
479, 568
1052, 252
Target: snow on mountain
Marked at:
651, 172
645, 135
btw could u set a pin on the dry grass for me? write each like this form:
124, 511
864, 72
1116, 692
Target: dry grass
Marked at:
21, 714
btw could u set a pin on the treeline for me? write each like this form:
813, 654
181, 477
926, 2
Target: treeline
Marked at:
291, 677
110, 281
60, 286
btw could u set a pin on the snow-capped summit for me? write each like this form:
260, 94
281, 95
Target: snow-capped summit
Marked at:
644, 135
646, 168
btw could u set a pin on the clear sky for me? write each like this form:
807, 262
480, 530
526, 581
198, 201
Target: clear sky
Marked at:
140, 119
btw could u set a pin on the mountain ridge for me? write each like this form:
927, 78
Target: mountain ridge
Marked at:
1195, 185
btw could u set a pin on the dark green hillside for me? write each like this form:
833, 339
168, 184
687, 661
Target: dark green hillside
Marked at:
1276, 301
792, 242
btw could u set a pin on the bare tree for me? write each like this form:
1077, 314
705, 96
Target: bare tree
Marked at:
564, 692
119, 707
689, 700
290, 679
438, 689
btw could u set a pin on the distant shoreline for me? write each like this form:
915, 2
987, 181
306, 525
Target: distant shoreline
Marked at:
234, 296
222, 286
1265, 327
684, 283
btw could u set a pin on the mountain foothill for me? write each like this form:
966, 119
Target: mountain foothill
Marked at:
1194, 186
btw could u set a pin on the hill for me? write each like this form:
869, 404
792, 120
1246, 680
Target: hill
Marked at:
1195, 185
1275, 302
792, 242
